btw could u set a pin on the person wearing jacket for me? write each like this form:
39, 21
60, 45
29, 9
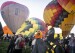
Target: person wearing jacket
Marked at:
17, 48
39, 46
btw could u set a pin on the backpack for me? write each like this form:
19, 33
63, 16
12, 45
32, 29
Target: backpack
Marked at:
21, 44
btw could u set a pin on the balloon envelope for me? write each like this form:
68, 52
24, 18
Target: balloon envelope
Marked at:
14, 14
68, 5
68, 24
32, 25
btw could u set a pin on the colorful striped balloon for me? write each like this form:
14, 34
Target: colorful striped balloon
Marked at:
61, 18
30, 26
51, 12
68, 5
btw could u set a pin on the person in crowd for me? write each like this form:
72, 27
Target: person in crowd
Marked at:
53, 40
7, 37
66, 42
57, 40
33, 42
19, 44
11, 46
15, 37
26, 40
39, 46
72, 43
30, 41
0, 41
50, 39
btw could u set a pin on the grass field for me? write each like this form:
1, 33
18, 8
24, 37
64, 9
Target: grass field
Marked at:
4, 46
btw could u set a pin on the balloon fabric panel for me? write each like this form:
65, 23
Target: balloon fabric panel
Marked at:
7, 3
68, 5
51, 12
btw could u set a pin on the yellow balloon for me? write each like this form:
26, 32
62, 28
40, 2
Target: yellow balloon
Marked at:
22, 28
67, 24
35, 26
27, 33
31, 30
18, 31
22, 33
23, 25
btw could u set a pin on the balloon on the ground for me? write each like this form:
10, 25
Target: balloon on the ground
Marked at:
68, 5
7, 30
14, 14
30, 26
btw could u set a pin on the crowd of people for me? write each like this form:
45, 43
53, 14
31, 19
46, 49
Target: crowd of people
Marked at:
38, 45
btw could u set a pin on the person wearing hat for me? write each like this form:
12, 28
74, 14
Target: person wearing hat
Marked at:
39, 46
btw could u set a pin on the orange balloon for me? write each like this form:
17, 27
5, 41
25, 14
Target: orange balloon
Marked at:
7, 30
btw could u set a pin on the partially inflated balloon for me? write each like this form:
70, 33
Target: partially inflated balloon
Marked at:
14, 14
68, 5
30, 26
6, 30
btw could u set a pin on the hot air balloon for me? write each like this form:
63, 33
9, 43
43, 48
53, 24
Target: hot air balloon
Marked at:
59, 18
14, 14
30, 26
68, 5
